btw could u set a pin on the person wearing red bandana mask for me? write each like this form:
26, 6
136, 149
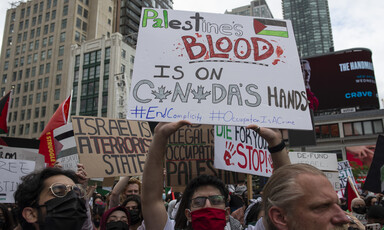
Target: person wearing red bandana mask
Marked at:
204, 201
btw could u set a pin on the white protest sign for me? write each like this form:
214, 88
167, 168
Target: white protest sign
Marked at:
7, 152
11, 171
322, 161
242, 150
217, 69
345, 171
333, 177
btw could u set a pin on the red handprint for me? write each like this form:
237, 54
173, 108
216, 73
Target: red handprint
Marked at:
227, 155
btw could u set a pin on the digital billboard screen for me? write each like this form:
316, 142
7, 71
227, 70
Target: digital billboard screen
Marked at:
343, 79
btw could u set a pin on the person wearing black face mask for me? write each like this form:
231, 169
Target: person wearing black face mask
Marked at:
49, 199
116, 218
359, 209
133, 205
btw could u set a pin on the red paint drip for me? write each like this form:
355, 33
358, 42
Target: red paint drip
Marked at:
198, 35
279, 51
275, 62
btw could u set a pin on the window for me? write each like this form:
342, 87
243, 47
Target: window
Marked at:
11, 28
85, 26
33, 71
32, 85
29, 112
46, 82
50, 40
49, 2
79, 10
21, 61
40, 84
17, 102
123, 53
21, 24
19, 38
61, 50
45, 42
38, 98
59, 64
15, 116
4, 80
33, 21
43, 111
77, 36
64, 23
65, 10
85, 13
35, 126
363, 128
6, 65
22, 115
26, 86
327, 131
26, 131
39, 19
37, 112
42, 125
32, 34
52, 28
57, 94
47, 16
30, 46
16, 62
41, 6
38, 31
21, 129
24, 101
27, 73
36, 44
26, 24
35, 57
53, 15
78, 23
49, 54
45, 30
45, 96
18, 88
30, 99
25, 36
48, 67
41, 69
62, 37
17, 50
58, 79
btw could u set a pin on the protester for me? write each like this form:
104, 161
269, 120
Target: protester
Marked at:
116, 218
253, 212
133, 206
6, 219
300, 196
359, 209
47, 198
204, 200
370, 200
376, 215
125, 187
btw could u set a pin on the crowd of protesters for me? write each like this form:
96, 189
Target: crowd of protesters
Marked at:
54, 198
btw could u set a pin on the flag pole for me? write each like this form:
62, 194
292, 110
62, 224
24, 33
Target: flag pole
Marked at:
353, 186
70, 107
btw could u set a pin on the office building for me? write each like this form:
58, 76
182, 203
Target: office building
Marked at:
127, 19
256, 8
311, 24
101, 72
38, 36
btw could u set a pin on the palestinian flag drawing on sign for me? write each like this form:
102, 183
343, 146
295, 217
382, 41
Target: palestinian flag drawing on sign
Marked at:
270, 27
4, 106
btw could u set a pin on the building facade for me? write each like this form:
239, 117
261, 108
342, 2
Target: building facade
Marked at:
127, 18
311, 24
256, 8
101, 72
35, 57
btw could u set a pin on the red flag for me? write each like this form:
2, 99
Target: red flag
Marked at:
4, 106
350, 193
49, 147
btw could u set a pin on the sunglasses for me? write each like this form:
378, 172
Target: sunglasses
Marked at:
199, 202
61, 190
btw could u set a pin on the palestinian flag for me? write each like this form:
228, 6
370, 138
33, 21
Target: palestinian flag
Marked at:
4, 105
375, 178
270, 27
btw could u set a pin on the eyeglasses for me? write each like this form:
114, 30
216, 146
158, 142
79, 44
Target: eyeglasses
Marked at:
60, 190
199, 202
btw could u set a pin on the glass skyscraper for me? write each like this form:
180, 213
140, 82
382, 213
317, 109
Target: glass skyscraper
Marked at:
311, 24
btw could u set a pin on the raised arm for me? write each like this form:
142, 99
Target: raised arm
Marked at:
273, 138
154, 212
114, 199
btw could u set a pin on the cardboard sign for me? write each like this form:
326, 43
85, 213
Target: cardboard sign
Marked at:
11, 170
217, 69
67, 157
111, 147
190, 153
322, 161
7, 152
239, 149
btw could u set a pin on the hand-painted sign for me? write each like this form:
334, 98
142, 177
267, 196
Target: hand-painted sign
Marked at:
217, 69
11, 170
111, 147
322, 161
242, 150
190, 153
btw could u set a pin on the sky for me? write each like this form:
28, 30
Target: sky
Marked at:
355, 23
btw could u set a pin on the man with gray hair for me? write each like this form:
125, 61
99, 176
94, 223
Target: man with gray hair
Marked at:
299, 196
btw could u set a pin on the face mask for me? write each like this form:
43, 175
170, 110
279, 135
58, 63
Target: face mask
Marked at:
360, 210
96, 223
208, 218
61, 213
135, 216
117, 225
164, 196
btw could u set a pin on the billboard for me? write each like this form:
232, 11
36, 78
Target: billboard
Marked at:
340, 80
